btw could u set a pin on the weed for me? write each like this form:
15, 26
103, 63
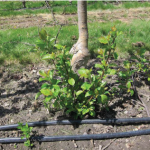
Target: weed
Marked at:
26, 131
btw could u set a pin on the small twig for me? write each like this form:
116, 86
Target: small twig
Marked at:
58, 33
21, 42
64, 10
51, 9
141, 18
138, 96
108, 144
145, 96
144, 105
28, 44
138, 102
89, 100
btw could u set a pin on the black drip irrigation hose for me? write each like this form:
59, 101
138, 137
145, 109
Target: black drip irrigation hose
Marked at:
78, 137
115, 121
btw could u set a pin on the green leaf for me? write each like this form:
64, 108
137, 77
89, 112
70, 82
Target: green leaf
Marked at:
37, 95
85, 111
26, 125
122, 74
58, 46
27, 143
86, 86
49, 56
144, 60
46, 92
92, 113
115, 55
112, 72
42, 73
43, 79
71, 81
43, 34
100, 72
104, 62
104, 98
89, 93
128, 84
48, 99
51, 74
84, 72
45, 85
103, 83
148, 78
40, 44
132, 92
56, 87
99, 66
52, 39
79, 92
103, 40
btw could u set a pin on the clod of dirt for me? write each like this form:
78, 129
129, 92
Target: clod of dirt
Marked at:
138, 44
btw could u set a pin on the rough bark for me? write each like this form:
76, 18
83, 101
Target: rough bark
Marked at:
24, 4
80, 49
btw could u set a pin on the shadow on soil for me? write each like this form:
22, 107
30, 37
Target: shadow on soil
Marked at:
4, 111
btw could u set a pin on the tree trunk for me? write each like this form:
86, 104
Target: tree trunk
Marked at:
80, 49
24, 4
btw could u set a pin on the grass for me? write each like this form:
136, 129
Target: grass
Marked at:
14, 51
62, 7
129, 5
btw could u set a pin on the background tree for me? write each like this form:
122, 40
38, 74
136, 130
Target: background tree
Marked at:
80, 49
24, 4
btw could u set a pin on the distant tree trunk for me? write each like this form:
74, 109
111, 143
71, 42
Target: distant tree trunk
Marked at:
70, 1
80, 50
24, 4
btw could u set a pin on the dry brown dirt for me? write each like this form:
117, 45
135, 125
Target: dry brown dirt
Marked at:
41, 20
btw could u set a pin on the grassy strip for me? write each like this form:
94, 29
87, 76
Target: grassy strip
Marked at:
62, 7
14, 50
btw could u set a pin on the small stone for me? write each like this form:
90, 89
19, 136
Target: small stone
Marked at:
6, 104
100, 147
136, 129
75, 145
98, 126
125, 112
139, 115
84, 133
11, 120
33, 71
35, 81
5, 93
30, 111
127, 145
38, 74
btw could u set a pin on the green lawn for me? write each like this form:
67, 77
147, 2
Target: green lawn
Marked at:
61, 7
13, 48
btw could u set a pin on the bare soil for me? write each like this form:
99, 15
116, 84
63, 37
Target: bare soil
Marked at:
41, 20
17, 104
